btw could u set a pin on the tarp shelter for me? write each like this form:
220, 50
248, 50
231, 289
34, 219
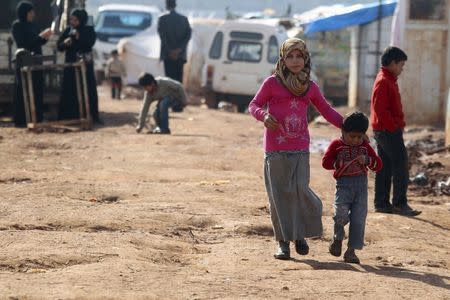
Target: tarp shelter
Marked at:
348, 16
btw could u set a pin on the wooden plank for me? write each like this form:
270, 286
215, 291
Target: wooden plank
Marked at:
86, 95
25, 96
29, 82
82, 122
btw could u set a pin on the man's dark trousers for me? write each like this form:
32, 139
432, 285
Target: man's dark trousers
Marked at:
174, 69
392, 151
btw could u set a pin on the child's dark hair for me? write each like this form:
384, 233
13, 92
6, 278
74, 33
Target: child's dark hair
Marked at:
391, 54
355, 122
146, 79
114, 52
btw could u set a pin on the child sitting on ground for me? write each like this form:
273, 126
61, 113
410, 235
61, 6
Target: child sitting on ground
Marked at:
350, 156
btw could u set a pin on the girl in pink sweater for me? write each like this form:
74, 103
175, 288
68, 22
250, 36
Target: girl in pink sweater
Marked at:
281, 103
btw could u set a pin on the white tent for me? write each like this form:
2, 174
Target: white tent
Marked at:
140, 53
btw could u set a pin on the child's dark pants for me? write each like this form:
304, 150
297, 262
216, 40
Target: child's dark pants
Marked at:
116, 87
392, 151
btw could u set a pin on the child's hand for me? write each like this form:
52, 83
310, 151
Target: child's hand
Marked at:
270, 122
68, 41
361, 160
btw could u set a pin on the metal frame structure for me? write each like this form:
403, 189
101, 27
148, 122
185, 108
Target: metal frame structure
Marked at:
85, 120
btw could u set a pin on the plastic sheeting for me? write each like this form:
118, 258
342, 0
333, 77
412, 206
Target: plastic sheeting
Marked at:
140, 53
351, 16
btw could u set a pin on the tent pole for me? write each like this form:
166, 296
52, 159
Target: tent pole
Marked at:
378, 50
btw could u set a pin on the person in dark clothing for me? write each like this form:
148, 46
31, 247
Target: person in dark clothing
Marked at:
387, 120
175, 32
77, 41
27, 36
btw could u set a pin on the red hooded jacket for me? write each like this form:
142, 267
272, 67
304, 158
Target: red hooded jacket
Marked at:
386, 112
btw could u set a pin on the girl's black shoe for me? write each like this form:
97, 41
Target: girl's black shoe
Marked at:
301, 247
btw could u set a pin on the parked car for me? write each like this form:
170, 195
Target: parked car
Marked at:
242, 54
116, 21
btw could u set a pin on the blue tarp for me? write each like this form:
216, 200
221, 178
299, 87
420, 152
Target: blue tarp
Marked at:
361, 15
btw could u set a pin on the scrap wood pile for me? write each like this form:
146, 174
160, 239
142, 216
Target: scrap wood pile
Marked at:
430, 175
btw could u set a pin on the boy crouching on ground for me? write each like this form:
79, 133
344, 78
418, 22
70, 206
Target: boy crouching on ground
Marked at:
350, 156
169, 94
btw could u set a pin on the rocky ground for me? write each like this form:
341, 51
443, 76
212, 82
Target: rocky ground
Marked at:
110, 213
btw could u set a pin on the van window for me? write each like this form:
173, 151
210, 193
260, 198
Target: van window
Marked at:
244, 51
272, 53
130, 20
215, 52
246, 35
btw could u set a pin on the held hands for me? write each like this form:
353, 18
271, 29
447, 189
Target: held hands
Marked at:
46, 34
270, 122
362, 160
174, 54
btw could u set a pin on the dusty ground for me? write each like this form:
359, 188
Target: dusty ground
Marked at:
112, 214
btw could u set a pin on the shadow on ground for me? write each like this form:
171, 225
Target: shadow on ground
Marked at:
396, 272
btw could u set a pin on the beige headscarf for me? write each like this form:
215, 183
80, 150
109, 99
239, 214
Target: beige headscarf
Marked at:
297, 84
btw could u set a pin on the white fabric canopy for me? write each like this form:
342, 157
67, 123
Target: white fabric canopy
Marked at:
140, 53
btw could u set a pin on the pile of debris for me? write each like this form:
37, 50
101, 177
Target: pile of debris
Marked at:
430, 178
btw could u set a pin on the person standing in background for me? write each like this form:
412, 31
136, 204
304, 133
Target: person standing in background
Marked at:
388, 122
114, 71
175, 32
77, 42
26, 36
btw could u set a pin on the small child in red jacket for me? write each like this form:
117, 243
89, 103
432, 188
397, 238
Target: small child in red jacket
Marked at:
350, 157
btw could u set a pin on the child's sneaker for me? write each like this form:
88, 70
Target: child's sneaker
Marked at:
301, 247
350, 256
283, 251
335, 248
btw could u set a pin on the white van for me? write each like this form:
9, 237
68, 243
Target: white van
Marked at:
242, 54
116, 21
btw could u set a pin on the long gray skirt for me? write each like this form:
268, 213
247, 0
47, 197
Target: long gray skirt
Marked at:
295, 210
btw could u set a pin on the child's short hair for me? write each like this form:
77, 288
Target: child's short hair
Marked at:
355, 122
146, 79
114, 52
391, 54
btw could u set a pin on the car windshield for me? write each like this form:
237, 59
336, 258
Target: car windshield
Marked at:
128, 20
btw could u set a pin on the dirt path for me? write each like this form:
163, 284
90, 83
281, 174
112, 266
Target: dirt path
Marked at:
113, 214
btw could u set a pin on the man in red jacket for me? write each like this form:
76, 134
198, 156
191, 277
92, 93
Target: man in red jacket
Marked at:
388, 122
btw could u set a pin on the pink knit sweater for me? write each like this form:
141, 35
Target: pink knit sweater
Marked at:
290, 111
